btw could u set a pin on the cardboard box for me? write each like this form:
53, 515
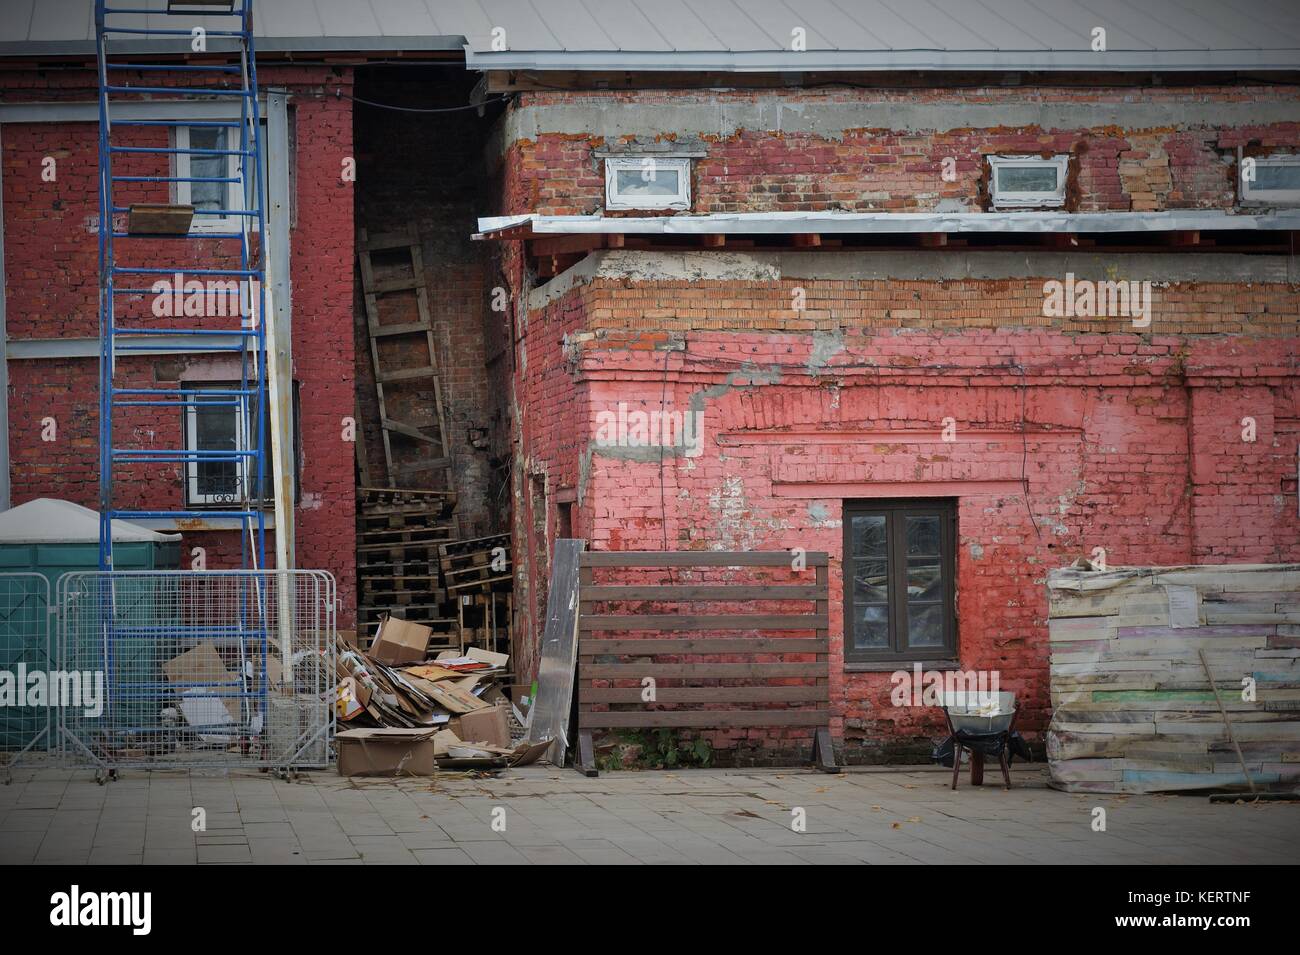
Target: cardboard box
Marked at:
386, 752
202, 668
488, 725
399, 641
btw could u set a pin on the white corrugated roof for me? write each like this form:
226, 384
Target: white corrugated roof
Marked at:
742, 35
48, 520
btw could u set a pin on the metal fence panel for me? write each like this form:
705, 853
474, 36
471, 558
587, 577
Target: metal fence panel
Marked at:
25, 661
196, 668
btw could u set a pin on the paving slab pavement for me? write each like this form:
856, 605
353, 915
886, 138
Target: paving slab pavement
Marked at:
541, 815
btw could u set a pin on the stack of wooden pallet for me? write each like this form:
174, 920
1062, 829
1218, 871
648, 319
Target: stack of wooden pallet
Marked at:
1175, 678
479, 577
399, 532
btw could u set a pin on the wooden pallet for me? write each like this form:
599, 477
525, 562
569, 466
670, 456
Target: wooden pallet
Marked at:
477, 578
446, 629
476, 550
407, 502
485, 619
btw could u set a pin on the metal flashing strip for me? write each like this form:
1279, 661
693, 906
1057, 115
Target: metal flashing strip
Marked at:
886, 223
47, 348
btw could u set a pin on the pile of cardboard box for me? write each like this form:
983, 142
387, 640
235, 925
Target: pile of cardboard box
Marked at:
408, 714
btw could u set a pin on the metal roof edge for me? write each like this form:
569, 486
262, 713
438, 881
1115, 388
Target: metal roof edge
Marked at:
894, 222
782, 61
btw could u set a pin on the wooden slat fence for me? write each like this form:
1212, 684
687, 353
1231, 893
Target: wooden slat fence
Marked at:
792, 692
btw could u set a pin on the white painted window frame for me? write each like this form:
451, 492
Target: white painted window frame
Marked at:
234, 197
234, 191
680, 201
1271, 197
243, 465
1028, 200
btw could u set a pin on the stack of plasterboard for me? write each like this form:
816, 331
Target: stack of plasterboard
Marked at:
1133, 708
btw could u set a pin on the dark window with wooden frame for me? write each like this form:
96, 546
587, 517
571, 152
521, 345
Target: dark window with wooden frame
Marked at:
899, 580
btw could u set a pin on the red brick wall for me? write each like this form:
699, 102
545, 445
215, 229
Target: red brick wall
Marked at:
1180, 164
551, 440
51, 276
1127, 442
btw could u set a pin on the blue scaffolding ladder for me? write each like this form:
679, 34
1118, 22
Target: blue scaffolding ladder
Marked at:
141, 211
148, 162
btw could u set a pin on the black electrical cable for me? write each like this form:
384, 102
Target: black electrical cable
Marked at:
413, 109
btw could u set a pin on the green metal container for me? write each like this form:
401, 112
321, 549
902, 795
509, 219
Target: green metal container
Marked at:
52, 538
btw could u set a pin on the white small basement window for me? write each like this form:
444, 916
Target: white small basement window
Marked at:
647, 182
1276, 181
1028, 182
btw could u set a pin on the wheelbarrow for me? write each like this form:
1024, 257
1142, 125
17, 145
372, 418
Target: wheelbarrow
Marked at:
983, 730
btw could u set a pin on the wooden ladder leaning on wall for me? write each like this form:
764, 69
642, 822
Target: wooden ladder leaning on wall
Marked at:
420, 335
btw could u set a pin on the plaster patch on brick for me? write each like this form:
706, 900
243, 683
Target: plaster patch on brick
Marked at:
599, 118
825, 346
736, 527
650, 266
749, 374
820, 516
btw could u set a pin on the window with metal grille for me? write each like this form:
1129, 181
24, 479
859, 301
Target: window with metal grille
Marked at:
215, 422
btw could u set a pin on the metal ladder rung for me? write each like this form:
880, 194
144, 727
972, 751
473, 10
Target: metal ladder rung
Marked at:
176, 151
172, 67
158, 348
163, 515
228, 457
176, 8
177, 404
168, 123
142, 31
218, 213
177, 90
210, 332
176, 235
219, 392
123, 270
176, 179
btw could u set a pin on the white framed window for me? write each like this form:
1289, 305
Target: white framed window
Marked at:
1028, 182
647, 182
208, 196
1274, 180
216, 422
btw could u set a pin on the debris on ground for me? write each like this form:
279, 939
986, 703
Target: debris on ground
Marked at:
405, 710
